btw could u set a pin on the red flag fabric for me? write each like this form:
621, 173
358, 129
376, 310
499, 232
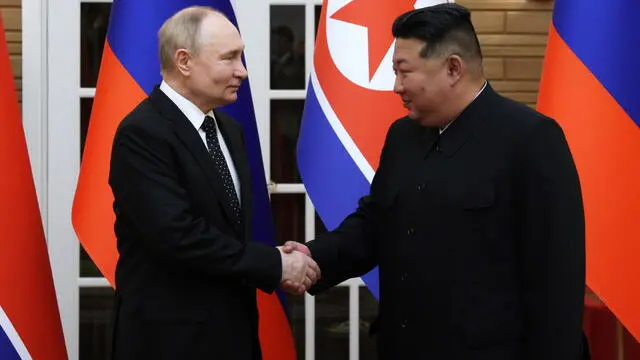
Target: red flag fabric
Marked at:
596, 103
30, 325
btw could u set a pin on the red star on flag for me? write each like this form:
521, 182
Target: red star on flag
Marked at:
377, 16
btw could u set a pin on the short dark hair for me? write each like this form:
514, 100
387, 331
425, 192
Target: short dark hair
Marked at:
445, 28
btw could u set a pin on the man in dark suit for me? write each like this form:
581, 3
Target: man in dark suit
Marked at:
474, 216
187, 274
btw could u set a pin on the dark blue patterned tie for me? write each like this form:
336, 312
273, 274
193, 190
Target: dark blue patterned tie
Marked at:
215, 151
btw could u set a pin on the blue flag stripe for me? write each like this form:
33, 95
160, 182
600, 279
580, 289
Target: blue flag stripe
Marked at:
332, 179
7, 351
606, 37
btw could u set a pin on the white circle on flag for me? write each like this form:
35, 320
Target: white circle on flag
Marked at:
349, 48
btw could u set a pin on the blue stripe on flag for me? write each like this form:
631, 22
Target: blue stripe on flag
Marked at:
605, 36
332, 179
7, 351
242, 110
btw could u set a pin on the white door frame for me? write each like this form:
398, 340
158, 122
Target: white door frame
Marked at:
51, 113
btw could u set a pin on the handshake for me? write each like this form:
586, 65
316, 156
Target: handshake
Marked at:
299, 270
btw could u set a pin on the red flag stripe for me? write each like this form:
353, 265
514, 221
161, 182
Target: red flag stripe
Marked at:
27, 294
605, 143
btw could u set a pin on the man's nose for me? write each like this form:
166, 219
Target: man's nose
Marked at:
242, 72
397, 86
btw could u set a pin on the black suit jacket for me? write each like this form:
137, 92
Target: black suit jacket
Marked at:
187, 274
479, 238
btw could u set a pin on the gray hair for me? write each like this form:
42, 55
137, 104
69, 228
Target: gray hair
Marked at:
182, 31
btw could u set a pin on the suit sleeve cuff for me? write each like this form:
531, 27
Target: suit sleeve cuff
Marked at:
268, 271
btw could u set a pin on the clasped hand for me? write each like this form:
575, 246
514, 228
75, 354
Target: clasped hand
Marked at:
299, 270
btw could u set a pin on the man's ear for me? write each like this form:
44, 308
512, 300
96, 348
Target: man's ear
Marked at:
182, 59
455, 68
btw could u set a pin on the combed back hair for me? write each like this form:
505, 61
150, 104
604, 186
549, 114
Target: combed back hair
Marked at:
181, 31
445, 28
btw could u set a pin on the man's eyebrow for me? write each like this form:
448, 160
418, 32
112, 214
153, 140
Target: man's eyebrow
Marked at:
232, 52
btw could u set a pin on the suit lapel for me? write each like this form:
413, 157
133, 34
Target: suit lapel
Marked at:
193, 142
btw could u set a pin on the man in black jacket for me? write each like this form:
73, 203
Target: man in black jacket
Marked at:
474, 217
188, 272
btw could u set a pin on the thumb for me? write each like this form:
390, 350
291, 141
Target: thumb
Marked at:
290, 246
287, 248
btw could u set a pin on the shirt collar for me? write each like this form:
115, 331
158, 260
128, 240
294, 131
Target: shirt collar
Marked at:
189, 109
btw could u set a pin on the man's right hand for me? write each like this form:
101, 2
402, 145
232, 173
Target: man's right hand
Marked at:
299, 271
291, 246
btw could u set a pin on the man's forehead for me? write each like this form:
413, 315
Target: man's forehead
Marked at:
226, 44
216, 25
232, 47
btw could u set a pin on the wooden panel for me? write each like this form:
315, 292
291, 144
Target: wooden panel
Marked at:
494, 68
506, 4
14, 36
513, 51
16, 64
523, 68
513, 43
11, 18
488, 21
510, 39
15, 48
528, 21
515, 85
7, 3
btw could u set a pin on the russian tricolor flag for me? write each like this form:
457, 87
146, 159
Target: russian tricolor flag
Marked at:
30, 325
129, 70
590, 86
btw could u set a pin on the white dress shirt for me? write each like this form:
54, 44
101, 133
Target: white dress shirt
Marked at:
196, 117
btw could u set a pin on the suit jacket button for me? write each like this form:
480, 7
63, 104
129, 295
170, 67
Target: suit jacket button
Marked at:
411, 231
420, 187
403, 324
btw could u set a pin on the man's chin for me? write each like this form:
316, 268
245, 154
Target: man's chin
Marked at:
415, 117
231, 98
422, 120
